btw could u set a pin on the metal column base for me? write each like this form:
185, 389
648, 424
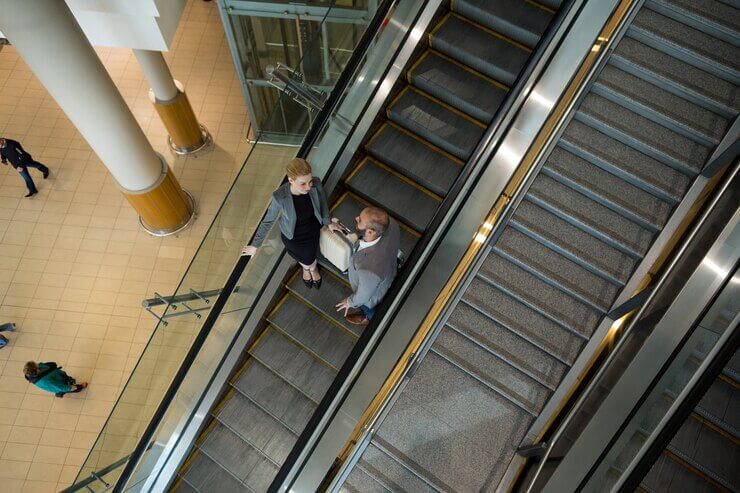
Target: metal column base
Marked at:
206, 141
176, 229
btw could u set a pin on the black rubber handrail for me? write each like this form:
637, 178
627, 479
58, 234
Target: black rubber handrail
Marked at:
485, 147
308, 142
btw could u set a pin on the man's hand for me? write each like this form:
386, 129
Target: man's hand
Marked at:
249, 250
343, 305
19, 169
335, 227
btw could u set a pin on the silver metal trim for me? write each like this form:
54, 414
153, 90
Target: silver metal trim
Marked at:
169, 232
205, 143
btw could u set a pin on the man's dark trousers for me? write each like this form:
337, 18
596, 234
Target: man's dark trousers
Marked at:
27, 176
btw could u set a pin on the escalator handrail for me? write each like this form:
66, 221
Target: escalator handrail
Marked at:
485, 147
309, 141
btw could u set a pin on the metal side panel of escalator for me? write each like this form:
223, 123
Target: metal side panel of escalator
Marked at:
415, 150
662, 103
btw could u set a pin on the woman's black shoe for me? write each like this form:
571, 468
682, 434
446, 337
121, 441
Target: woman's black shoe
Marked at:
317, 284
308, 282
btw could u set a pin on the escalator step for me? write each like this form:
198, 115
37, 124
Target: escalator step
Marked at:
556, 270
205, 475
709, 16
721, 405
414, 158
520, 21
236, 456
256, 427
607, 189
689, 44
294, 364
521, 389
577, 245
323, 338
668, 476
432, 429
332, 290
350, 206
660, 106
275, 396
554, 304
524, 321
590, 216
406, 200
453, 132
642, 134
677, 76
390, 472
458, 86
493, 55
516, 350
625, 162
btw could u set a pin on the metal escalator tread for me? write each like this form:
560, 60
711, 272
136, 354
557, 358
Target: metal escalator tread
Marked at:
492, 55
414, 158
458, 87
256, 427
694, 46
360, 481
709, 451
607, 189
523, 320
590, 216
677, 76
323, 338
431, 121
518, 20
661, 106
349, 208
721, 406
513, 348
332, 290
228, 450
408, 201
294, 364
432, 429
206, 476
646, 136
384, 468
556, 270
550, 302
667, 476
521, 389
275, 395
710, 15
623, 161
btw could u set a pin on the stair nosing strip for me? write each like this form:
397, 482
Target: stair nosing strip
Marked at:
699, 467
503, 393
224, 469
321, 313
544, 277
373, 476
529, 304
513, 331
248, 442
696, 20
263, 363
501, 357
381, 444
303, 346
716, 421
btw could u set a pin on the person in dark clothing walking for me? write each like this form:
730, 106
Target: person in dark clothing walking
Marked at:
50, 377
11, 150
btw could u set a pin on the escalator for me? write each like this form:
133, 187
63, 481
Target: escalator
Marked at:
645, 129
704, 453
432, 122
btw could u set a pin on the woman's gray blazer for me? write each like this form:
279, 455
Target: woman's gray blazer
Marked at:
282, 205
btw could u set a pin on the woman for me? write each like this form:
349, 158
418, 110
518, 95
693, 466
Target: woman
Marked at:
50, 377
303, 210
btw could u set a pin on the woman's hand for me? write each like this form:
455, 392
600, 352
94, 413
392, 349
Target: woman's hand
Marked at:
249, 250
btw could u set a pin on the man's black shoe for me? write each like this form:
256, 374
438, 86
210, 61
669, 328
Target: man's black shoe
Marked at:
46, 174
31, 194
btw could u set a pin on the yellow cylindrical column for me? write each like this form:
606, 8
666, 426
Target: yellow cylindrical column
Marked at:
179, 119
164, 208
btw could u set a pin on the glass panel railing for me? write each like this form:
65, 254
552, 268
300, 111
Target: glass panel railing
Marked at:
171, 343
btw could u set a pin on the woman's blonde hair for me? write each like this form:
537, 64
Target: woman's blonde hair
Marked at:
297, 167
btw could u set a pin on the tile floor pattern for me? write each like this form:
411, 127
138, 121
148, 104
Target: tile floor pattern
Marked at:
74, 265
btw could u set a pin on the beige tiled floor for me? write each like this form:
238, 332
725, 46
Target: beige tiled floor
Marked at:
74, 265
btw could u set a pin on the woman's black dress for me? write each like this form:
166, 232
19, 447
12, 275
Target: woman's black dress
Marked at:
305, 243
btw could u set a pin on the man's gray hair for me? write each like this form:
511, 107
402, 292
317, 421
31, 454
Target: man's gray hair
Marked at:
377, 219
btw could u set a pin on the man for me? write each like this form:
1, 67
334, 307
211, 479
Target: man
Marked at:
11, 150
8, 327
373, 266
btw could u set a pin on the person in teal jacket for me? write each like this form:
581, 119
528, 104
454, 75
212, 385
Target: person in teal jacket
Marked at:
50, 377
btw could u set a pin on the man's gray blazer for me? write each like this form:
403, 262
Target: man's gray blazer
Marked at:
372, 269
282, 205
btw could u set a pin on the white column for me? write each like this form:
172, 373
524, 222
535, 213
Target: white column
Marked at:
52, 44
157, 74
